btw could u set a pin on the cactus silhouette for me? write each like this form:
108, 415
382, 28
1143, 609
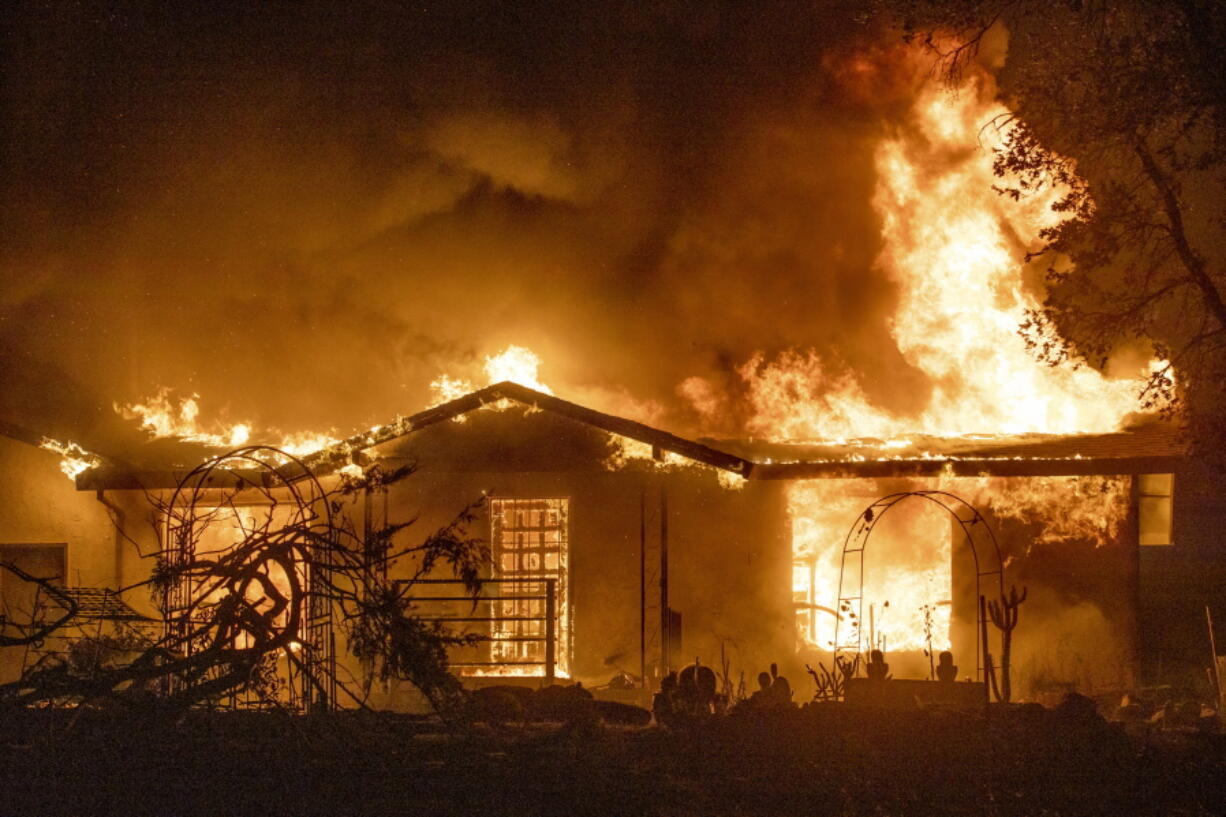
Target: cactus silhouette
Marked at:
1004, 616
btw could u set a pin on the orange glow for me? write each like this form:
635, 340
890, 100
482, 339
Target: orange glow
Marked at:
908, 559
907, 566
955, 250
517, 364
510, 672
1091, 508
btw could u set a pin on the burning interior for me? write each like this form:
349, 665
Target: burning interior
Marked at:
619, 549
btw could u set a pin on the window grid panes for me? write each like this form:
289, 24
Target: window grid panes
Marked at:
530, 543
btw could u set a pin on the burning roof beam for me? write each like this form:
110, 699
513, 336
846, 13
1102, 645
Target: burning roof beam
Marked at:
970, 467
351, 449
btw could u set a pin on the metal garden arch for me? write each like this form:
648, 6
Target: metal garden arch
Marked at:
191, 509
851, 596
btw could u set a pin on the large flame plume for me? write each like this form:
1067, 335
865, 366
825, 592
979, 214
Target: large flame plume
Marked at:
955, 250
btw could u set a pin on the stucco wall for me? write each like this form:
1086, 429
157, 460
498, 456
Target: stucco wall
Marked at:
729, 560
39, 504
1178, 581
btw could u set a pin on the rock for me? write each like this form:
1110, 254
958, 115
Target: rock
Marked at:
1077, 709
623, 714
563, 704
495, 705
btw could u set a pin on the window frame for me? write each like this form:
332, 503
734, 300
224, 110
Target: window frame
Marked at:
564, 609
1141, 495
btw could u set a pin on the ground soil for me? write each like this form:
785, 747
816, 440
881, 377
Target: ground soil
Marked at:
820, 760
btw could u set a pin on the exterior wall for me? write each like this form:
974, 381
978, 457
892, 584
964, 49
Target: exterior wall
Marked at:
729, 561
1178, 581
1077, 629
730, 557
731, 574
42, 506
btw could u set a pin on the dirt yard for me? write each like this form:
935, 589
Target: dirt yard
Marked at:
816, 761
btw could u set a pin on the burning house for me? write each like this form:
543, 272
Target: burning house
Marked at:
833, 509
616, 548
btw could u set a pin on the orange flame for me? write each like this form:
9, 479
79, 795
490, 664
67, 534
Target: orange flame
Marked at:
164, 416
74, 459
955, 249
519, 364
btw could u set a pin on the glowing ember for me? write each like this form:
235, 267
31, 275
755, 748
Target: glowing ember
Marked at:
302, 443
730, 481
73, 458
352, 471
510, 672
628, 452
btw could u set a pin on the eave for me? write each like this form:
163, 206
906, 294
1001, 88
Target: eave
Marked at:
353, 448
968, 467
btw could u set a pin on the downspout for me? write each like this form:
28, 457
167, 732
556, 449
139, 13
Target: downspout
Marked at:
120, 521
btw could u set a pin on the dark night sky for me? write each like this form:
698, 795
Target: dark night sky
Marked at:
306, 212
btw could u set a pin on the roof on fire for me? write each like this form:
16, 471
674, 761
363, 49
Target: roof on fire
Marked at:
1149, 448
1152, 447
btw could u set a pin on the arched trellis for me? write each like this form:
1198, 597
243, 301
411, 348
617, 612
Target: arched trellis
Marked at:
192, 508
851, 599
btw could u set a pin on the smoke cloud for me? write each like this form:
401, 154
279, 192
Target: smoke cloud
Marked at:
306, 213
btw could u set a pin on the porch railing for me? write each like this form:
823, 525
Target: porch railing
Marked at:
550, 618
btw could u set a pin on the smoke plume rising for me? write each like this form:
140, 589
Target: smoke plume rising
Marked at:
306, 214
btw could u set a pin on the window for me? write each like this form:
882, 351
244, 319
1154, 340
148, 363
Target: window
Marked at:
1154, 504
21, 601
529, 543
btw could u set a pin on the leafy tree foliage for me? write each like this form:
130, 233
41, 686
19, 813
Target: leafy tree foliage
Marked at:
1120, 103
